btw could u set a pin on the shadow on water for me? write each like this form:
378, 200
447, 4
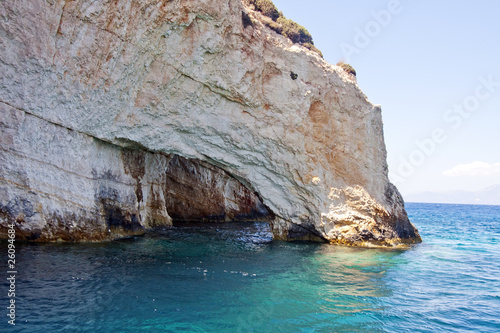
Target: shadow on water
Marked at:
224, 278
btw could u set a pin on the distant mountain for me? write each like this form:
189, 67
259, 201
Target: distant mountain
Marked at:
487, 196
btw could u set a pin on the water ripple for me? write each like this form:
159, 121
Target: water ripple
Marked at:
234, 278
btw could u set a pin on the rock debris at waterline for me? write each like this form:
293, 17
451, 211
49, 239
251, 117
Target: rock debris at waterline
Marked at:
119, 117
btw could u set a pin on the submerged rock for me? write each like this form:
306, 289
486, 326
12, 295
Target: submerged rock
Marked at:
122, 116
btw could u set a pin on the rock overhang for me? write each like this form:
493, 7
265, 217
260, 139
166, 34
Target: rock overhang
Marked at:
189, 79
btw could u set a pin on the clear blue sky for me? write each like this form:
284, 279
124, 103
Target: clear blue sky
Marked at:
423, 63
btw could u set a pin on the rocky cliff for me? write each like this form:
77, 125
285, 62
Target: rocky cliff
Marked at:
118, 116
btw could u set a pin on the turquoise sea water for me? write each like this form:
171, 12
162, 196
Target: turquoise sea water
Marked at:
233, 278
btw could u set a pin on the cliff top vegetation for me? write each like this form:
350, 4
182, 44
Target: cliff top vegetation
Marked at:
275, 20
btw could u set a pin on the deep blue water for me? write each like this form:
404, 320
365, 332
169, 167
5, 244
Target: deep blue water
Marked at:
233, 278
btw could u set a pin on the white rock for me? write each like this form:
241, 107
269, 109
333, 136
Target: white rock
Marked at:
185, 78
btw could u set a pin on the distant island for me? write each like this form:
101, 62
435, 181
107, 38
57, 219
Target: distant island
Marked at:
486, 196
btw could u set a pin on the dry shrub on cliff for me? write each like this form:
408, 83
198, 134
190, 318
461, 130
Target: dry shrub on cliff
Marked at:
272, 24
313, 48
346, 67
275, 20
294, 31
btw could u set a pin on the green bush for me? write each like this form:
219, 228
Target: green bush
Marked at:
289, 29
305, 36
279, 23
294, 31
266, 7
346, 67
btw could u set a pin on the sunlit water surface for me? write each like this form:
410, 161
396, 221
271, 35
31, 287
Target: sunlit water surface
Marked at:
234, 278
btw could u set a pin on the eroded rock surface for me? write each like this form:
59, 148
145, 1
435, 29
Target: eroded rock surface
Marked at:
58, 184
100, 100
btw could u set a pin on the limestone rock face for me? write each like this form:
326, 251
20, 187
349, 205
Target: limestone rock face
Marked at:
59, 184
121, 116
